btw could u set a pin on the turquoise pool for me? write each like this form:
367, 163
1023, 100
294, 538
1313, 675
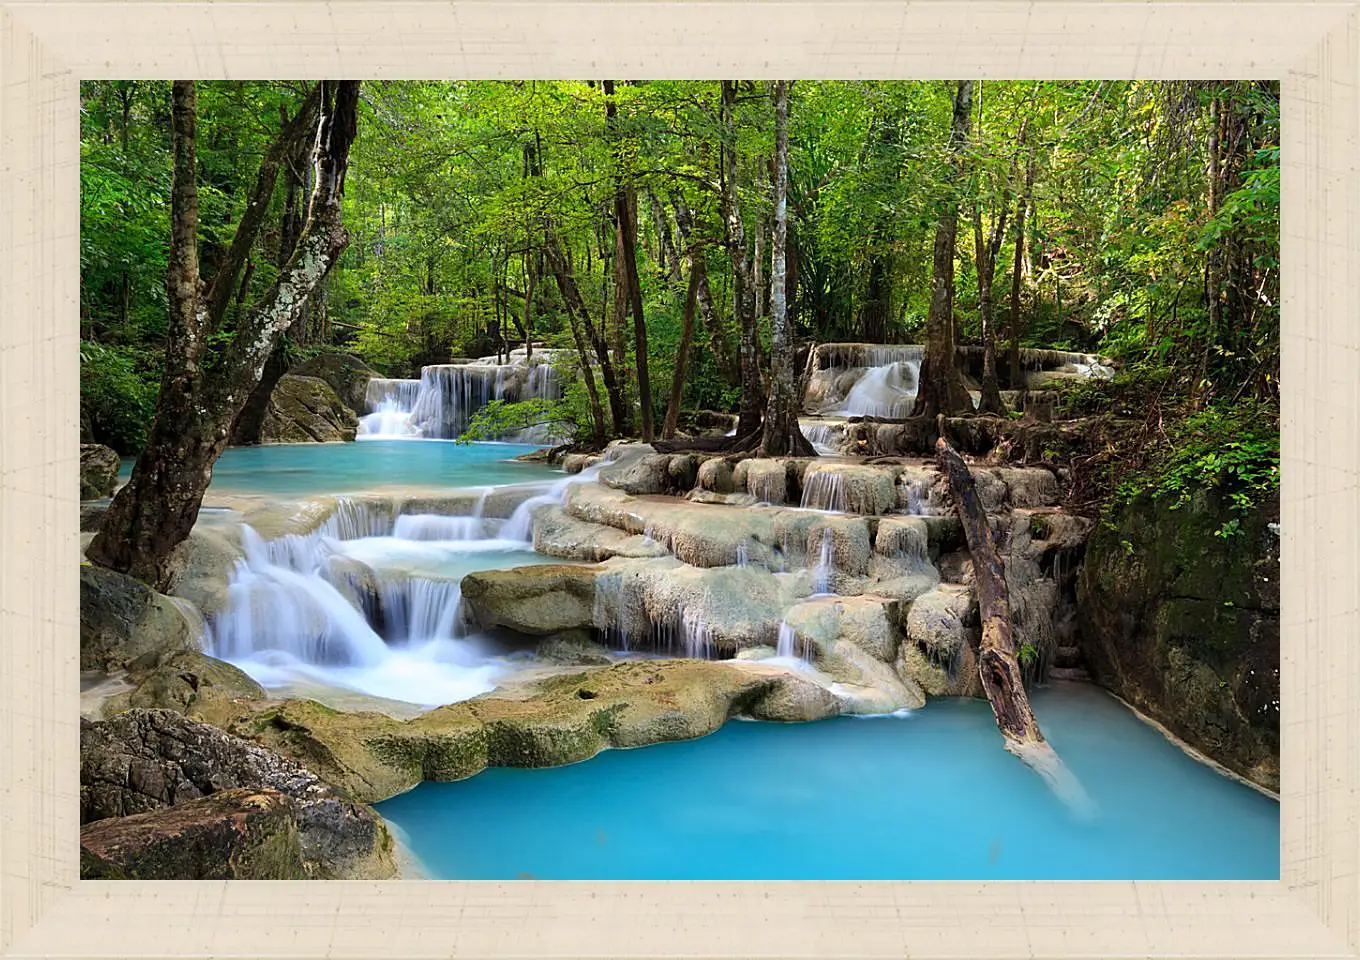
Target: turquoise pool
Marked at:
314, 468
929, 796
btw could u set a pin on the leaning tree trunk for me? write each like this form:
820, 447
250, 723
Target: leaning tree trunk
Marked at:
201, 395
998, 665
782, 435
941, 385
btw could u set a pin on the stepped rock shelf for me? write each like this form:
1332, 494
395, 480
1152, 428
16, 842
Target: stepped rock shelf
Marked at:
379, 639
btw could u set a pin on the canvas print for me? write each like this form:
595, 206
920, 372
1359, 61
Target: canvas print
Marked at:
697, 480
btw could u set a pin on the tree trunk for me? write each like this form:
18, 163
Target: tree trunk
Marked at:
626, 203
873, 315
696, 277
782, 435
718, 342
743, 286
1017, 376
941, 386
576, 307
986, 250
155, 511
997, 663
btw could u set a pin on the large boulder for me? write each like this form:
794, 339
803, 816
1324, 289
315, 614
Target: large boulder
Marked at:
538, 600
1184, 624
98, 471
231, 835
144, 760
306, 410
347, 375
124, 622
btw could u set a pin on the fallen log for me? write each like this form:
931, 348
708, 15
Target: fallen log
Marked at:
998, 666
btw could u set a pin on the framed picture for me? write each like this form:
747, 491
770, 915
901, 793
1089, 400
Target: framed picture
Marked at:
900, 502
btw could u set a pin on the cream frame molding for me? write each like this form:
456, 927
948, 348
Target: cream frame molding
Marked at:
47, 47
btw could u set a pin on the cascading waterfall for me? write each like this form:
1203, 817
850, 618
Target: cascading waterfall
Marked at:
888, 391
824, 490
443, 401
520, 526
787, 647
389, 404
825, 568
351, 605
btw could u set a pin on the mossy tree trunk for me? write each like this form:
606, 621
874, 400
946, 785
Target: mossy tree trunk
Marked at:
782, 436
941, 384
202, 393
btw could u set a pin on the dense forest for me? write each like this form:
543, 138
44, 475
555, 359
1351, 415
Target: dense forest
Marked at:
687, 241
679, 401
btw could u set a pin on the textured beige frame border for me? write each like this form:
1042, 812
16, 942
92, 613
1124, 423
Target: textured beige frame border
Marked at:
47, 47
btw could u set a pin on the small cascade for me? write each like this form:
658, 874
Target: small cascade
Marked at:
520, 526
428, 526
743, 555
825, 568
918, 498
888, 392
789, 650
418, 608
878, 380
389, 404
605, 610
824, 490
696, 637
825, 436
450, 394
277, 602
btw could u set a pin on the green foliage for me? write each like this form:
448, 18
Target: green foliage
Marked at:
1232, 451
118, 390
1027, 654
500, 418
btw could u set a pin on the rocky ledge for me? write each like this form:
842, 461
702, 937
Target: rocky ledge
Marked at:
161, 794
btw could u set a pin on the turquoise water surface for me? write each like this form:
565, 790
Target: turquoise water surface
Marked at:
930, 796
294, 469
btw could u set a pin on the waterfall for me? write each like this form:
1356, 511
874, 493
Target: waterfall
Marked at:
822, 572
824, 490
918, 493
450, 394
388, 405
418, 608
340, 607
743, 554
887, 391
520, 526
696, 636
274, 605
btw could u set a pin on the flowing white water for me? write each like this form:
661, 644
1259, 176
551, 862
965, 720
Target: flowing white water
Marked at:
824, 490
887, 391
822, 572
520, 526
442, 402
389, 404
364, 604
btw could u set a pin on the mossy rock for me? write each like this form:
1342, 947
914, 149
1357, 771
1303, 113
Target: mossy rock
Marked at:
307, 410
239, 834
123, 621
1184, 623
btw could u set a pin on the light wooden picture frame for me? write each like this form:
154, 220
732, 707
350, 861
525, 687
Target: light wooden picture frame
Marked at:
48, 46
